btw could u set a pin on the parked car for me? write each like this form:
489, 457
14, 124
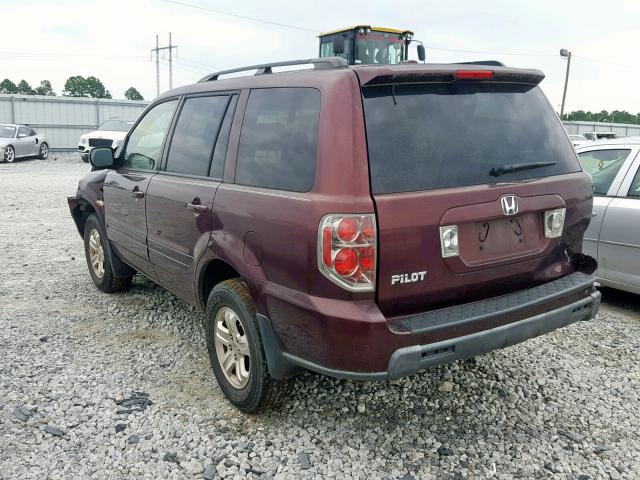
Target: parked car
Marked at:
363, 222
578, 140
595, 136
21, 141
613, 237
109, 134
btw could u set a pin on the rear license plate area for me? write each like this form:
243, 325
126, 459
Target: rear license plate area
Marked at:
500, 239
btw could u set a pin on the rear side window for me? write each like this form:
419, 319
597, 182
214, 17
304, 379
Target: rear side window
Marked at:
279, 139
195, 135
220, 152
634, 190
603, 166
429, 136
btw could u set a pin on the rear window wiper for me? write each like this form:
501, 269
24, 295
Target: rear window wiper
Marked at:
516, 167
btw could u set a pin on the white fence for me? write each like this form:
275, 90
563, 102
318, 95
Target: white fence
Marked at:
64, 119
621, 129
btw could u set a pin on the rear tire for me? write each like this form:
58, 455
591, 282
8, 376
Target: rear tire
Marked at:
98, 261
44, 151
233, 334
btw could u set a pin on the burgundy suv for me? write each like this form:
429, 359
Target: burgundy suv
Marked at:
363, 222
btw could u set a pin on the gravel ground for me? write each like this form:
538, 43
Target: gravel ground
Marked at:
119, 386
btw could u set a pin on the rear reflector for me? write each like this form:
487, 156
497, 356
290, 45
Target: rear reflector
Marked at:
473, 74
347, 250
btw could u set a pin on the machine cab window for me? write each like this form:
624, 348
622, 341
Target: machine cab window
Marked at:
363, 44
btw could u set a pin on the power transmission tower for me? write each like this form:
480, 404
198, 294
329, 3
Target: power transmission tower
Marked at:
157, 50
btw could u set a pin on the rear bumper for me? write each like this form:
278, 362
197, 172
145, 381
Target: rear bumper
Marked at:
364, 348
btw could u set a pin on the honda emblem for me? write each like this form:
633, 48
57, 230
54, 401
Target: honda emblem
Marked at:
509, 204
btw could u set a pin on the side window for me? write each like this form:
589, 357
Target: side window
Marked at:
634, 190
603, 166
144, 146
279, 139
195, 135
32, 132
23, 131
220, 152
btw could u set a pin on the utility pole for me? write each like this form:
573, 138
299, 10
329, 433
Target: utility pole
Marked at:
564, 53
157, 67
170, 65
157, 50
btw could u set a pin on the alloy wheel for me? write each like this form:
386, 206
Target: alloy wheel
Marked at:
96, 253
9, 154
44, 151
232, 348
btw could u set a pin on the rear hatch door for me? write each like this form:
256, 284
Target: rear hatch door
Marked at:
486, 155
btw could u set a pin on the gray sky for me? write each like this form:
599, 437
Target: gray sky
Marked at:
112, 39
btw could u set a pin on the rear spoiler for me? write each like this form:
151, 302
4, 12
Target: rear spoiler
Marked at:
415, 73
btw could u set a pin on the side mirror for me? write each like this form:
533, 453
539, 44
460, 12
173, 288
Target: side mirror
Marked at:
421, 53
101, 158
338, 45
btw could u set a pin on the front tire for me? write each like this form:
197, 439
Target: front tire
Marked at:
98, 261
235, 349
44, 151
9, 154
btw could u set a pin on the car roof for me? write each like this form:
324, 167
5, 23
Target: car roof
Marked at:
13, 124
613, 141
319, 76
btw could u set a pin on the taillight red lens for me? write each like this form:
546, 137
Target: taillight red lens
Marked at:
348, 229
367, 259
345, 261
367, 228
473, 74
347, 250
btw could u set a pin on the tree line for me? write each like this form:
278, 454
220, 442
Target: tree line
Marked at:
616, 116
75, 86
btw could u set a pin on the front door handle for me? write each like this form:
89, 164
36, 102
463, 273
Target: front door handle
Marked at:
136, 193
594, 214
197, 207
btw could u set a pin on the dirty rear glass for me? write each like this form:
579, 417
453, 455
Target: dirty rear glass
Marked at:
428, 136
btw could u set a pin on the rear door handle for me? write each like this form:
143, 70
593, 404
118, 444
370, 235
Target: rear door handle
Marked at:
197, 207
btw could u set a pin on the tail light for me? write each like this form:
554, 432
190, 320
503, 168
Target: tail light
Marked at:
554, 222
449, 241
347, 250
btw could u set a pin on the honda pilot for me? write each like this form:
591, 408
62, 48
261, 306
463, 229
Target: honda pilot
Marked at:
364, 222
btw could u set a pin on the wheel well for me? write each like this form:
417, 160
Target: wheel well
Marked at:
80, 214
215, 272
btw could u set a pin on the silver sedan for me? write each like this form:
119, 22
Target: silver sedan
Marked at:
19, 141
613, 237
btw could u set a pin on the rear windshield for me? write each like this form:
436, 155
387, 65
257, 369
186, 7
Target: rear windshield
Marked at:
429, 136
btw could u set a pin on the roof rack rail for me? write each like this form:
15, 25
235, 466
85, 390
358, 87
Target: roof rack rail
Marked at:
265, 68
494, 63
